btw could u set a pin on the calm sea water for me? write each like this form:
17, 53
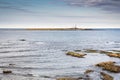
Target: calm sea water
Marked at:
43, 52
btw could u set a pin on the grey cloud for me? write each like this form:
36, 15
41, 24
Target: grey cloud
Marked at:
2, 2
66, 16
109, 5
14, 8
18, 6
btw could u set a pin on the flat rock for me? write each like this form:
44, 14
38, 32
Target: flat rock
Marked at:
117, 55
91, 51
67, 78
88, 71
109, 66
74, 54
106, 76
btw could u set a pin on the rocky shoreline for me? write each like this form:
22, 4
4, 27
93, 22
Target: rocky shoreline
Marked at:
109, 66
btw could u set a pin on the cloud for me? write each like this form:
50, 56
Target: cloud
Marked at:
108, 5
12, 5
2, 2
14, 8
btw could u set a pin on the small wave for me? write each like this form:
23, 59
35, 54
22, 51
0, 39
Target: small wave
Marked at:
27, 68
39, 43
16, 67
17, 51
21, 56
112, 42
25, 50
5, 52
2, 47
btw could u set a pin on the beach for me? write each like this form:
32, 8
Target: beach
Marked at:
43, 54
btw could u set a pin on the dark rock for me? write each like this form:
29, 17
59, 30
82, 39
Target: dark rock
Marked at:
86, 77
22, 40
106, 76
77, 50
88, 71
7, 71
11, 64
46, 76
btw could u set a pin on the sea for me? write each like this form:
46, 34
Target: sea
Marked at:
42, 53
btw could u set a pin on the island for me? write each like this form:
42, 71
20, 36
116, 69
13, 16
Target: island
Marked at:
58, 28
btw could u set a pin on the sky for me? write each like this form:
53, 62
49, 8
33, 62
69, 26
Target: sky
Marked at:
59, 13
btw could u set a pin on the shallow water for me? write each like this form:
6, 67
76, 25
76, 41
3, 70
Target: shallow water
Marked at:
42, 54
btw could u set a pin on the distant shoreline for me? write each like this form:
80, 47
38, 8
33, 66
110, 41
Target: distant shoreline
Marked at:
58, 29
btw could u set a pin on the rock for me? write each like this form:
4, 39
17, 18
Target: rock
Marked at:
74, 54
67, 78
91, 51
104, 52
87, 78
111, 54
11, 64
105, 63
77, 50
106, 76
112, 68
30, 75
22, 40
80, 78
117, 55
7, 71
116, 50
88, 71
46, 76
109, 66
